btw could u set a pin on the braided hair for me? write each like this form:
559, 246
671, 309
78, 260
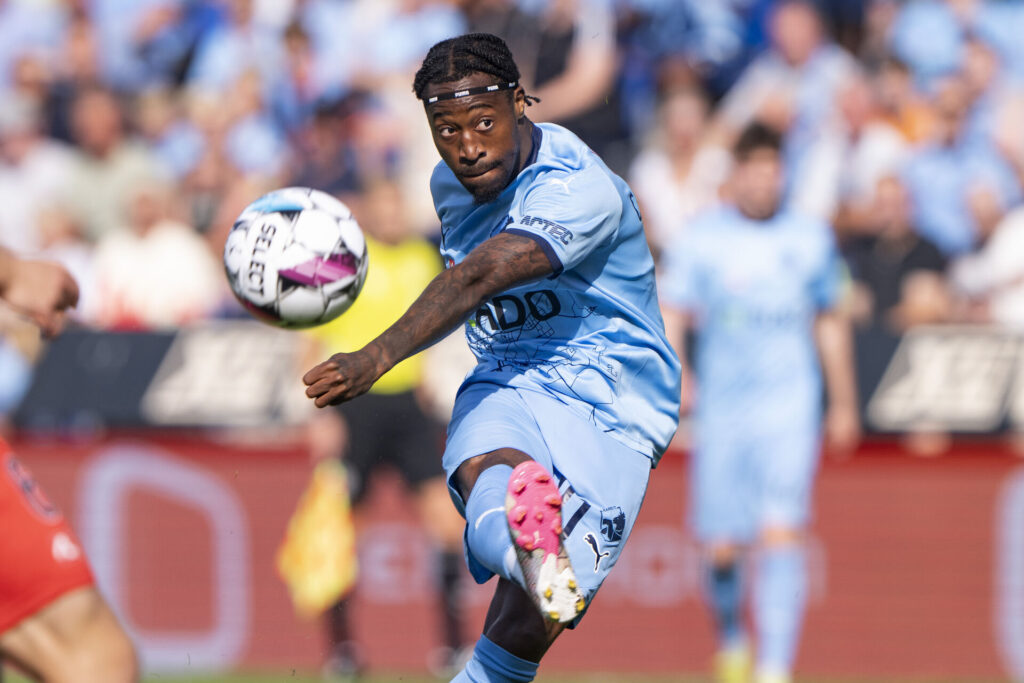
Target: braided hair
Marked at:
456, 58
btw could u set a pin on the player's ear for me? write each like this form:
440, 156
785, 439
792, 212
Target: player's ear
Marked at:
519, 102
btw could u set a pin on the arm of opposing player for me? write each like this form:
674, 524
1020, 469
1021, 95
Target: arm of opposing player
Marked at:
500, 263
40, 290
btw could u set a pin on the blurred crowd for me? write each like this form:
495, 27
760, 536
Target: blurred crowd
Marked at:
132, 132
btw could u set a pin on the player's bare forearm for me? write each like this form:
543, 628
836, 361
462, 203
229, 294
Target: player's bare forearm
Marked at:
500, 263
835, 346
677, 323
834, 339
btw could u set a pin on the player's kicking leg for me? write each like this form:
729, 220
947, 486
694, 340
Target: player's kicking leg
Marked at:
549, 501
74, 639
514, 528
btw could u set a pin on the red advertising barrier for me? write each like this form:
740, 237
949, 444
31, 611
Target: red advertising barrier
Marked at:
917, 565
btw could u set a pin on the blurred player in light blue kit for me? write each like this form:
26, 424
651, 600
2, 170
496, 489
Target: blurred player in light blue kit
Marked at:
576, 392
759, 285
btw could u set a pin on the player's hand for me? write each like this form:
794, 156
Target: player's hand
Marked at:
343, 376
842, 430
40, 290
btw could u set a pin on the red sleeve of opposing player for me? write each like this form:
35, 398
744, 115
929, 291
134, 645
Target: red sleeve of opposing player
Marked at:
42, 558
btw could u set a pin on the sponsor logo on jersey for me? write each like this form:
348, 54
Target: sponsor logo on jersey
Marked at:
560, 233
508, 311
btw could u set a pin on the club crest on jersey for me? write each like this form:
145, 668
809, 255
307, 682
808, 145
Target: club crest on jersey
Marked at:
613, 524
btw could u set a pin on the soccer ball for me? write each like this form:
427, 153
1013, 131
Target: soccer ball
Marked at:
296, 258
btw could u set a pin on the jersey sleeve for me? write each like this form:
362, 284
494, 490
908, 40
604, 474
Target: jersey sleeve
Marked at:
827, 281
570, 215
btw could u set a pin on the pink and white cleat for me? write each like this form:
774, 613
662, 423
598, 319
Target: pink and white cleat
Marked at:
533, 507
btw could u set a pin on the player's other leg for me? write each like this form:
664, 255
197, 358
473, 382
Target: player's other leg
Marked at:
786, 470
724, 524
74, 639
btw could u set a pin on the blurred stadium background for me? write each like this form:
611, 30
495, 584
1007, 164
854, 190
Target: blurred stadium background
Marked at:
171, 428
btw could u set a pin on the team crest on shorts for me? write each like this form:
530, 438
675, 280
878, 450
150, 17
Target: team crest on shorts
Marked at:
613, 524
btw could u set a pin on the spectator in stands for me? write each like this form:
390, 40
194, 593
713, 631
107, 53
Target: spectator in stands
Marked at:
927, 36
991, 280
571, 66
157, 273
238, 45
106, 163
854, 157
77, 69
33, 171
326, 156
141, 42
677, 174
898, 275
793, 87
959, 186
29, 28
169, 136
253, 142
900, 103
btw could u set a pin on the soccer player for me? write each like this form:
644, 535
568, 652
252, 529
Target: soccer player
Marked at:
760, 284
575, 394
53, 622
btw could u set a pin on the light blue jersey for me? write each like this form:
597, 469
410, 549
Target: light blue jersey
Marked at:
591, 336
754, 288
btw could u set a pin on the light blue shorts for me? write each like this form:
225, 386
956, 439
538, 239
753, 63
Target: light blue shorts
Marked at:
750, 475
602, 481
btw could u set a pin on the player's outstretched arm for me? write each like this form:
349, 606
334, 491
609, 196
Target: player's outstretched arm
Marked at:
40, 290
500, 263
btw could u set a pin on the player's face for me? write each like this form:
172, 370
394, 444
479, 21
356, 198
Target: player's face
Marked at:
757, 183
479, 137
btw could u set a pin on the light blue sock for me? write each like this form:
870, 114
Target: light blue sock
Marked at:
487, 527
724, 586
494, 664
779, 600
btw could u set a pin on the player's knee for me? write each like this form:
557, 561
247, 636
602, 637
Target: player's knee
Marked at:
471, 469
722, 554
779, 536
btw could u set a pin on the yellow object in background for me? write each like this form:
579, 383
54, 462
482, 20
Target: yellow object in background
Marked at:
317, 558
